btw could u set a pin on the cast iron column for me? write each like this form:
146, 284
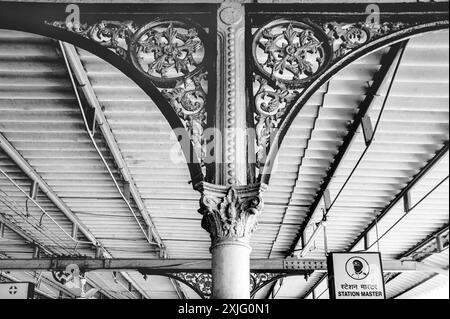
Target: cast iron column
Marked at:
230, 216
231, 124
230, 207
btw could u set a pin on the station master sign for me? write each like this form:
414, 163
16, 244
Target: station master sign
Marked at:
16, 290
355, 276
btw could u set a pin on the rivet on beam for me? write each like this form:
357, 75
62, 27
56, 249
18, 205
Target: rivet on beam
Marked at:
366, 124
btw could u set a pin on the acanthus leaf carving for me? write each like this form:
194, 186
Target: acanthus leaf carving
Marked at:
231, 215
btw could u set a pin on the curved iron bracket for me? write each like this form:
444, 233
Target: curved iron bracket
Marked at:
297, 51
201, 282
181, 98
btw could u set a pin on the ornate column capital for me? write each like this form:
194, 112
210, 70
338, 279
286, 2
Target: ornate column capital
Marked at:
230, 214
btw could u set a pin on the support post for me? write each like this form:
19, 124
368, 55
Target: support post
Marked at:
230, 216
36, 252
75, 231
231, 270
229, 208
34, 190
231, 111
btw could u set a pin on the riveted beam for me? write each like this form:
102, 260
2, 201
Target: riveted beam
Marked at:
164, 266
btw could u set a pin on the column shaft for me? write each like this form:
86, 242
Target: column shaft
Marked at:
230, 216
231, 271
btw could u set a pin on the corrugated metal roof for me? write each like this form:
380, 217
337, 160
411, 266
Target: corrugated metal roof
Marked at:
14, 246
149, 148
48, 131
413, 127
310, 146
400, 286
41, 119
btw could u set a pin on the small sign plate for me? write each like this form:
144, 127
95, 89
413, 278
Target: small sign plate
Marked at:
356, 276
16, 290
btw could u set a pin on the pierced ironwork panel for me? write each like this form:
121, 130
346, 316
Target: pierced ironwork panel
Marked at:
201, 283
293, 51
260, 280
171, 53
289, 54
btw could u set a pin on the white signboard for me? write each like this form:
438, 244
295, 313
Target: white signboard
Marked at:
356, 276
16, 290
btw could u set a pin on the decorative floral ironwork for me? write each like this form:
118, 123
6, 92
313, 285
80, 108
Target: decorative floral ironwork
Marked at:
189, 100
171, 54
201, 283
80, 29
290, 52
345, 37
114, 35
293, 53
259, 280
270, 105
167, 50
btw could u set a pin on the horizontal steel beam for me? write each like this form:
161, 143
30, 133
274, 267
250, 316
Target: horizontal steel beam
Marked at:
162, 266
